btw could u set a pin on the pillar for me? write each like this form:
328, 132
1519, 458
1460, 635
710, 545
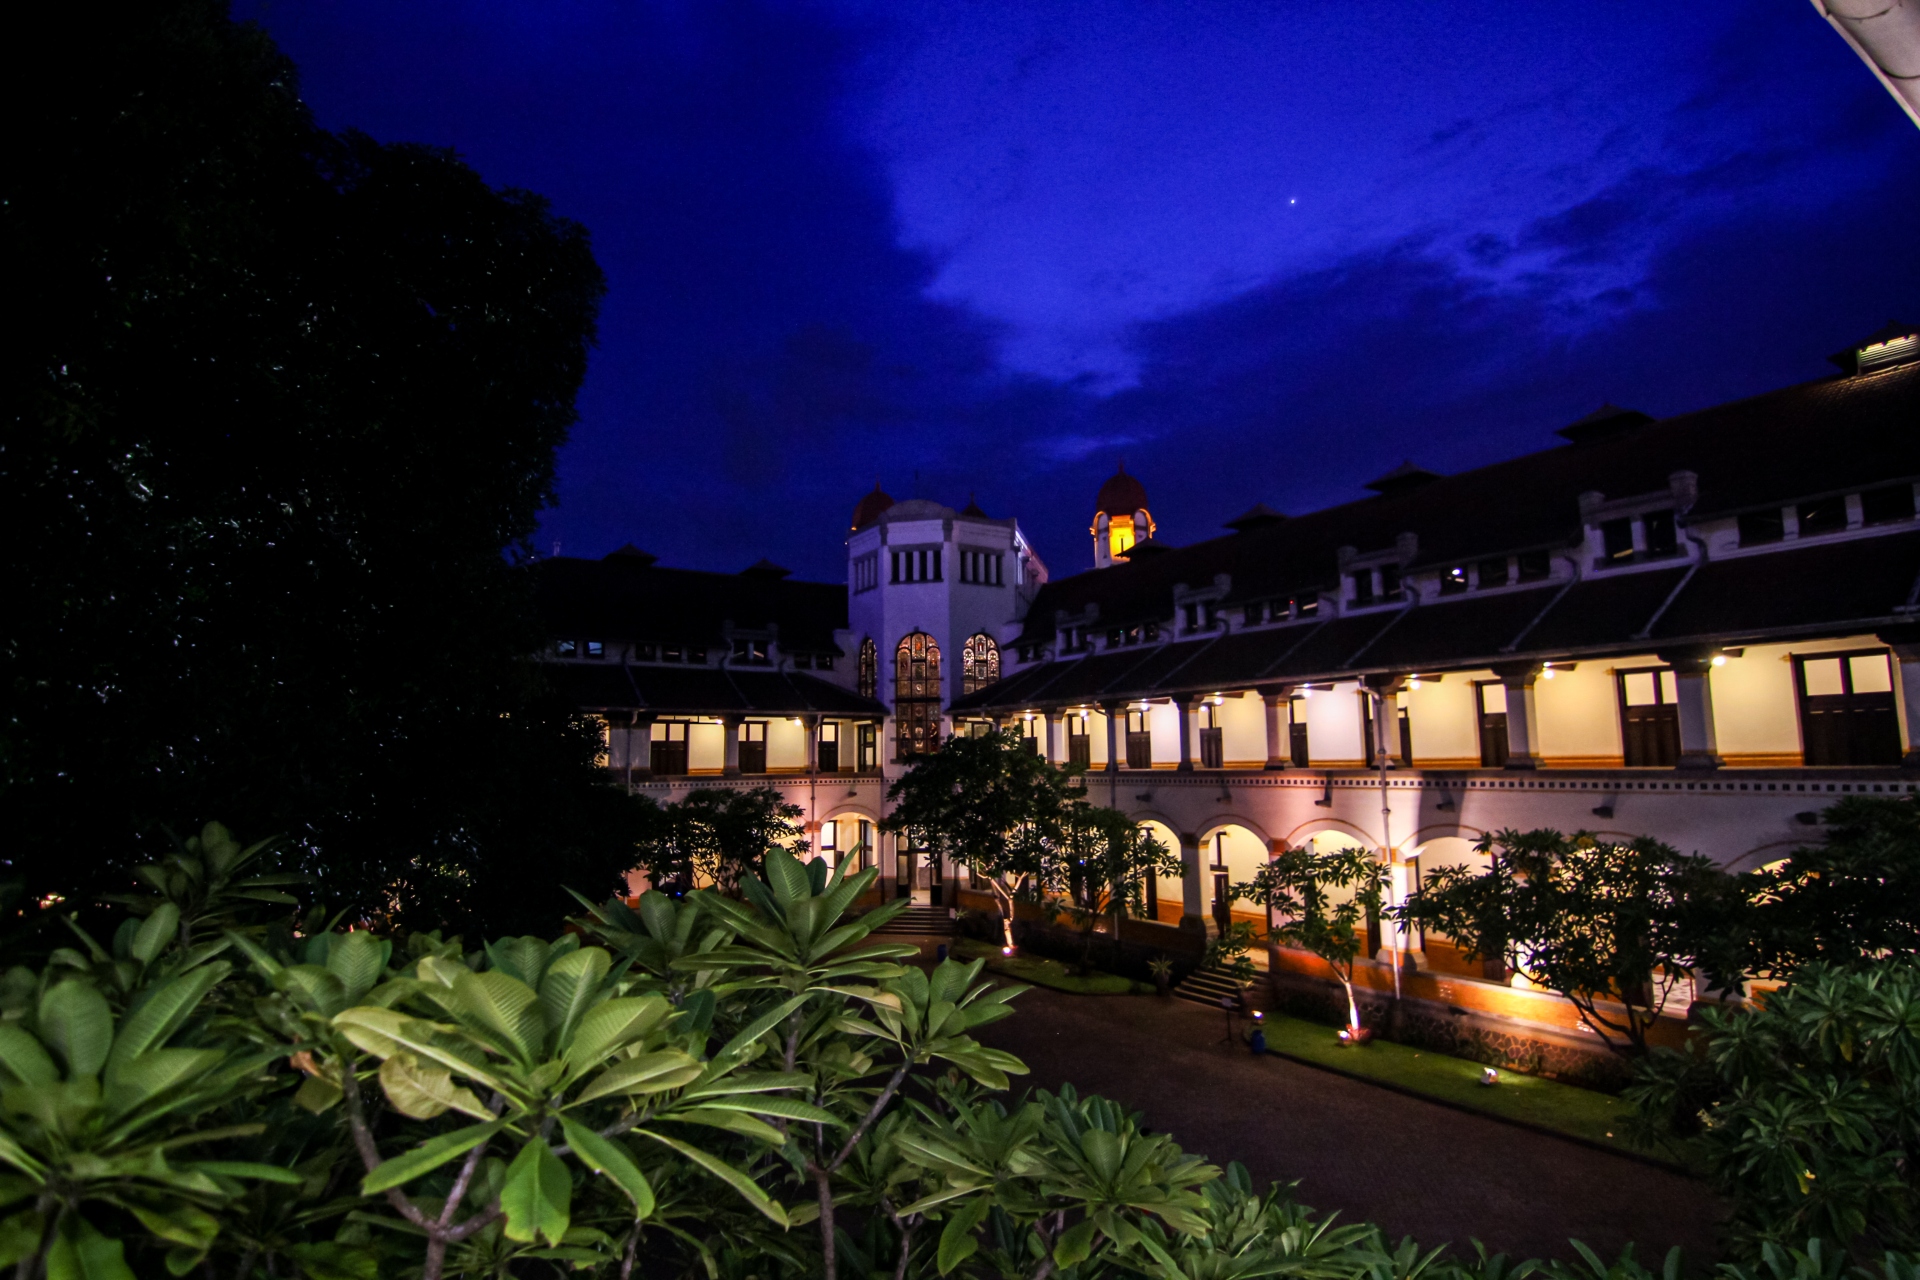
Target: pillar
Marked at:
1193, 905
1056, 747
1397, 946
1906, 662
1386, 716
1693, 689
813, 743
730, 742
1279, 748
640, 748
1115, 712
1183, 716
1523, 722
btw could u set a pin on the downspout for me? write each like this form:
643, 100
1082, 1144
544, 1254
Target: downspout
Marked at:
1386, 809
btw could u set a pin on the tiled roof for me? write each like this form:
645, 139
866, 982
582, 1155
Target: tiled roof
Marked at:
624, 598
671, 690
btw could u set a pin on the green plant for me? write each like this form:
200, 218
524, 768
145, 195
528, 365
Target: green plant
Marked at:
1609, 926
1322, 901
1101, 864
1227, 953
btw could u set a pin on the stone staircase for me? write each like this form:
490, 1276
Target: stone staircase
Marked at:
1207, 986
920, 922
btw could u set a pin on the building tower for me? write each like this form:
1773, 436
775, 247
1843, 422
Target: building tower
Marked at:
1120, 518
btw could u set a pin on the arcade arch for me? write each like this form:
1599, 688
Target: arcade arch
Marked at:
1231, 854
1167, 891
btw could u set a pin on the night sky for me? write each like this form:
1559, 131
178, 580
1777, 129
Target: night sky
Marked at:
1262, 251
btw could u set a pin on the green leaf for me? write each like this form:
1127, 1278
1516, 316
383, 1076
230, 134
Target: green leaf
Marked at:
503, 1005
134, 1082
357, 959
648, 1073
720, 1169
151, 1021
537, 1195
612, 1025
426, 1157
316, 1094
1074, 1245
23, 1057
248, 1169
180, 1223
569, 989
957, 1243
605, 1156
77, 1025
422, 1092
81, 1253
155, 932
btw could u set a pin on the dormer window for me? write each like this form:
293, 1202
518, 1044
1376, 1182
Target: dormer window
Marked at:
1824, 515
1389, 581
1306, 604
751, 652
1363, 588
1758, 528
1201, 615
596, 649
1453, 581
1492, 572
1884, 506
566, 648
1662, 537
1616, 541
1534, 566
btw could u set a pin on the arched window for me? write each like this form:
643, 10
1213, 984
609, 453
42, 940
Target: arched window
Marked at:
979, 663
916, 694
869, 668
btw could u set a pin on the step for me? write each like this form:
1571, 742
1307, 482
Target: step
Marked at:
1205, 987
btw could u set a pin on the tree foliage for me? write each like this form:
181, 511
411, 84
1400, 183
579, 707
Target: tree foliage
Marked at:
1322, 903
1101, 863
1613, 928
989, 804
1850, 897
1804, 1108
279, 427
717, 835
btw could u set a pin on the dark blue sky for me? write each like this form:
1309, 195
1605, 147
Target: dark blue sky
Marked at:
1264, 251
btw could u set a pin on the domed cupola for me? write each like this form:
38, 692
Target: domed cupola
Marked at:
1120, 518
870, 508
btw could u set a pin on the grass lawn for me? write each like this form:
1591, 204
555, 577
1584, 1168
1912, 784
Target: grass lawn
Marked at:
1564, 1108
1044, 973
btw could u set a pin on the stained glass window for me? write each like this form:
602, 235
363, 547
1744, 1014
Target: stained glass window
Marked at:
979, 663
916, 694
869, 668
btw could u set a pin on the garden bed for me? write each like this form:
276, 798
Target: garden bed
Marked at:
1042, 972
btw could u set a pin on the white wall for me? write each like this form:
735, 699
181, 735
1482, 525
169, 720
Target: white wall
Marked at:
1444, 719
1578, 713
1333, 724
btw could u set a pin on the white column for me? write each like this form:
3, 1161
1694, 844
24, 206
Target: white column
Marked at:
1277, 745
1183, 716
1114, 711
1693, 692
1906, 661
1523, 722
730, 738
1386, 716
1192, 898
640, 748
1055, 747
1396, 944
813, 743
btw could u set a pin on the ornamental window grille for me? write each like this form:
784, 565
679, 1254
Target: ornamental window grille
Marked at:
979, 663
916, 694
869, 668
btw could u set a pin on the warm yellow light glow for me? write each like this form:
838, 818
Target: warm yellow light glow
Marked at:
1547, 673
1119, 535
1719, 659
1414, 683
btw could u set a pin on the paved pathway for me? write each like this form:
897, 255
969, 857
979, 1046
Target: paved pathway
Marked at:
1414, 1167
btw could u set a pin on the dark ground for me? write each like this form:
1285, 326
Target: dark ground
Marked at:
1414, 1167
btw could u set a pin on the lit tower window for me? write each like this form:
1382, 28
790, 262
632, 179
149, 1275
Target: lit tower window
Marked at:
1120, 519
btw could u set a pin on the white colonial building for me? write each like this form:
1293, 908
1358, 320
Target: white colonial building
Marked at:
1704, 629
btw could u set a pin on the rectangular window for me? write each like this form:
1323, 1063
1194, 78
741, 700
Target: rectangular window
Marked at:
1649, 718
1826, 515
1758, 528
866, 572
566, 648
1490, 702
1139, 741
1886, 505
867, 742
1616, 541
1306, 604
1389, 581
753, 746
1847, 714
827, 754
803, 662
750, 652
1363, 587
1663, 538
1453, 581
1297, 747
1492, 572
1254, 614
646, 653
593, 649
1534, 566
1079, 743
823, 661
1212, 748
670, 748
697, 654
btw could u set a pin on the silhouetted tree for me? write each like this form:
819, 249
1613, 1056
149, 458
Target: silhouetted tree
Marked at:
282, 407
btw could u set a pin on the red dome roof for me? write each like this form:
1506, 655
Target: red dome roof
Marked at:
870, 507
1121, 495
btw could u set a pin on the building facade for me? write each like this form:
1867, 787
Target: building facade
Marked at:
1704, 629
